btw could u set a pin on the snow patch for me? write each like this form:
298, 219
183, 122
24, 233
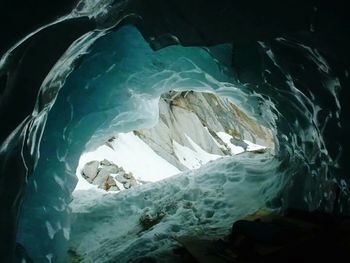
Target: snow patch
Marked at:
186, 156
235, 149
193, 159
134, 155
254, 147
226, 139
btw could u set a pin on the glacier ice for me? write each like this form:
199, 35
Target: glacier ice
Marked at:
117, 91
129, 87
187, 203
106, 226
109, 80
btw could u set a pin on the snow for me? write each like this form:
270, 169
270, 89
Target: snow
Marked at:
186, 156
193, 159
226, 139
134, 155
106, 227
253, 147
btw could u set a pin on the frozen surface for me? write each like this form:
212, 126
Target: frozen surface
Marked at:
116, 88
235, 149
226, 139
107, 226
134, 155
253, 147
193, 159
127, 150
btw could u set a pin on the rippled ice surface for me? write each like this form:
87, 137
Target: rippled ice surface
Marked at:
116, 88
106, 227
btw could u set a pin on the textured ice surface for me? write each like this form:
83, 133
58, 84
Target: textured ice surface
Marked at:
115, 88
106, 226
115, 91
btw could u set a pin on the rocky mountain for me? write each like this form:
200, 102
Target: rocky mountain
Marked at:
201, 119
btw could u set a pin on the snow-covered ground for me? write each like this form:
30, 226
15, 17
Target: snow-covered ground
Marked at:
235, 149
106, 226
193, 159
127, 150
134, 155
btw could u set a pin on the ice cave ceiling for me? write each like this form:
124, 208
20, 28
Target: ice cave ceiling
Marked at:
72, 75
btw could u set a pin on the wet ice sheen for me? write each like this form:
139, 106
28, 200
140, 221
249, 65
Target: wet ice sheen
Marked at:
206, 201
116, 89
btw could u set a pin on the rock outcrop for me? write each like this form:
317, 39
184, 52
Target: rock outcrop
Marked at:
108, 176
197, 117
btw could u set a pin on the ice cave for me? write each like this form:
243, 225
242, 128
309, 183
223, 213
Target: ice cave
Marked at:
174, 131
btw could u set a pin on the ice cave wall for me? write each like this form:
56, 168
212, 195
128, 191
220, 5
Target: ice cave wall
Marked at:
293, 64
78, 118
131, 87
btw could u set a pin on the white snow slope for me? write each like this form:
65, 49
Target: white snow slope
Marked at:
135, 156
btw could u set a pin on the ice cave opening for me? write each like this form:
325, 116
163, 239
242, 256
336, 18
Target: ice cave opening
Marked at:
192, 129
134, 115
130, 147
180, 176
129, 128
